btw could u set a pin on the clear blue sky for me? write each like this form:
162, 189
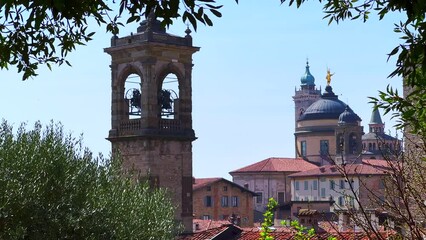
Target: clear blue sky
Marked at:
244, 78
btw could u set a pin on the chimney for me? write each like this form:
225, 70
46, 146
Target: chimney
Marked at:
196, 227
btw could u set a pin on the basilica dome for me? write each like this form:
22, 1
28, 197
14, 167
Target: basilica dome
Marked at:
327, 107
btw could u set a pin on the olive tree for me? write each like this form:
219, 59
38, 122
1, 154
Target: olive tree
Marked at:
51, 187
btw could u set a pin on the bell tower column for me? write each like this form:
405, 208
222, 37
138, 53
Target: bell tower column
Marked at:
151, 122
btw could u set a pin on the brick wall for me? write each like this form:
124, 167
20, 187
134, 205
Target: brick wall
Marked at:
220, 189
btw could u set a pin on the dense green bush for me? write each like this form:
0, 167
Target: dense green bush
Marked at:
52, 188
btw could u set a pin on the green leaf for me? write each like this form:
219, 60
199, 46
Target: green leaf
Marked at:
216, 13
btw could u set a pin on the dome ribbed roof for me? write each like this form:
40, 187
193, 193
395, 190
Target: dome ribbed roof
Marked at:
328, 107
307, 78
348, 117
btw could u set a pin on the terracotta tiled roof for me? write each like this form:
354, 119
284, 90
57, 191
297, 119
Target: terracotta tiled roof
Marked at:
202, 225
379, 162
254, 233
350, 169
232, 232
277, 165
203, 235
200, 183
308, 212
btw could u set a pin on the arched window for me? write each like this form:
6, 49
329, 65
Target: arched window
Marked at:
133, 96
340, 143
353, 143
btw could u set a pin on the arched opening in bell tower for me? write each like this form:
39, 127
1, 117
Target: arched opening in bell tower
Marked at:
168, 97
353, 143
133, 96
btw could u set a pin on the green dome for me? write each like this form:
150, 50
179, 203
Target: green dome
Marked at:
307, 78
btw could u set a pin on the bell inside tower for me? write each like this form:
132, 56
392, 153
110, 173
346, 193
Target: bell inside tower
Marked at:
133, 96
168, 97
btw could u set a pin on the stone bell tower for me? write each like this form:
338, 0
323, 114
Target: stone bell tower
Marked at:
306, 95
151, 125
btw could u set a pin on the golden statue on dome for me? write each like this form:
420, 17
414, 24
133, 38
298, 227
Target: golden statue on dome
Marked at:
328, 77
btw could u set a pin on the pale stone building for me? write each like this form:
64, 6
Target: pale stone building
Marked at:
269, 179
322, 186
376, 143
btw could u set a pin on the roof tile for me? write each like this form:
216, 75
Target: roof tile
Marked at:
277, 165
337, 170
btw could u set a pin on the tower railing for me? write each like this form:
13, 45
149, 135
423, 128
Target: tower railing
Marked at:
132, 126
128, 126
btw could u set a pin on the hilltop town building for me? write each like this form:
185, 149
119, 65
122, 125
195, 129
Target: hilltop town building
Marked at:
220, 199
376, 144
269, 178
329, 139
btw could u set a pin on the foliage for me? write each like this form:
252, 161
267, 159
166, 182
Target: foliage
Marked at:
32, 30
411, 60
52, 188
268, 221
302, 233
44, 32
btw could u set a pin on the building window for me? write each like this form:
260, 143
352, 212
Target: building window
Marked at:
351, 201
322, 192
235, 201
296, 185
208, 188
246, 185
382, 184
342, 184
341, 202
381, 199
315, 185
208, 202
281, 198
324, 147
332, 184
306, 184
259, 197
224, 201
225, 188
303, 148
206, 217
